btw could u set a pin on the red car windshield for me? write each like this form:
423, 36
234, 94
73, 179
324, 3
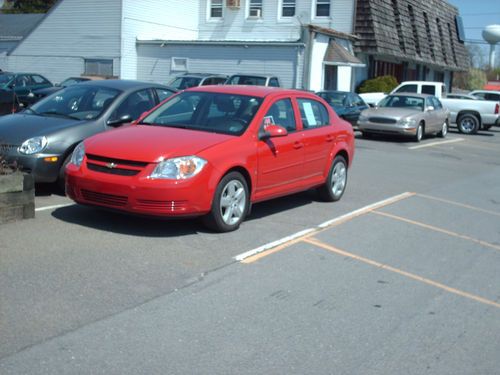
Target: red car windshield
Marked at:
206, 111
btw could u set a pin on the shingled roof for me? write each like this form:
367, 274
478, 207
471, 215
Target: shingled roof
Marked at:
14, 27
410, 30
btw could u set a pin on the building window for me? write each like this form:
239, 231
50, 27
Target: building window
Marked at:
255, 9
179, 64
452, 44
397, 19
322, 8
216, 8
99, 67
429, 36
414, 29
441, 38
288, 8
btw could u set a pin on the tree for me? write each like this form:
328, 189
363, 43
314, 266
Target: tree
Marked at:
27, 6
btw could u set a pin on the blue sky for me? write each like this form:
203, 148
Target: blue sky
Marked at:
476, 14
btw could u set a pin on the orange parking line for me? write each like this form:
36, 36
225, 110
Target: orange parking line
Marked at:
437, 229
315, 242
459, 204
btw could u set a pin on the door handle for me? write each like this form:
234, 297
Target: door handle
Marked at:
298, 145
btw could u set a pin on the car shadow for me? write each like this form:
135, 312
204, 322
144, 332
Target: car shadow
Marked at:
278, 205
141, 226
46, 190
121, 223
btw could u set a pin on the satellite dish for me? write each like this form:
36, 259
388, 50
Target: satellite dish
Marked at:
491, 34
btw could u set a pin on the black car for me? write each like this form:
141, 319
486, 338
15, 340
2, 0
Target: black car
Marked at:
188, 80
347, 105
19, 85
41, 138
38, 94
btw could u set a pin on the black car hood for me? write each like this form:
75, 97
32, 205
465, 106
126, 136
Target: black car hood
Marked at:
16, 128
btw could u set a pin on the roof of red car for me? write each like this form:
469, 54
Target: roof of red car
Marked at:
259, 91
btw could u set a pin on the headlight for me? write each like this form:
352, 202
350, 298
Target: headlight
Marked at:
33, 145
179, 168
362, 118
78, 155
406, 122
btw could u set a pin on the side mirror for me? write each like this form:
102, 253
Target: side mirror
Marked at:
271, 131
119, 121
429, 108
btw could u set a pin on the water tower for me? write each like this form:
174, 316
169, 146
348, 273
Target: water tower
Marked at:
491, 34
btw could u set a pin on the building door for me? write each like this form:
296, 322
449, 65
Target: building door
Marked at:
330, 77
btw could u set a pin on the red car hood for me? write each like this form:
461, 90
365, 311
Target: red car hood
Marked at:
151, 143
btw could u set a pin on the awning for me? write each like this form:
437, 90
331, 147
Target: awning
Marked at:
337, 55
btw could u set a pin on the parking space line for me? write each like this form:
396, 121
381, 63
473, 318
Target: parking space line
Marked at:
431, 144
437, 229
275, 246
459, 204
320, 244
53, 207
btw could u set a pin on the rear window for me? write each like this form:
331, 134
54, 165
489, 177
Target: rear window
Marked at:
407, 88
313, 113
428, 89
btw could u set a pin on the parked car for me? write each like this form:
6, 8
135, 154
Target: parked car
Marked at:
213, 151
21, 84
187, 80
347, 105
38, 94
469, 115
461, 96
40, 139
253, 80
486, 94
411, 115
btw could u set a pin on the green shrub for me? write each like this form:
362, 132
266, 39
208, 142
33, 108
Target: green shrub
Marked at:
378, 84
476, 79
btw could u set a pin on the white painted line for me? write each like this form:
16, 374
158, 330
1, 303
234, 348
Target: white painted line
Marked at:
437, 143
46, 208
324, 225
270, 245
365, 209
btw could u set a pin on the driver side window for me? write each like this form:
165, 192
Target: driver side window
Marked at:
281, 113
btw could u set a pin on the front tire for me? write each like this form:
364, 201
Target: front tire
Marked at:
468, 123
61, 179
444, 130
419, 134
230, 204
336, 182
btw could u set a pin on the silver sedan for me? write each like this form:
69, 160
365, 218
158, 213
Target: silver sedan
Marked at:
412, 115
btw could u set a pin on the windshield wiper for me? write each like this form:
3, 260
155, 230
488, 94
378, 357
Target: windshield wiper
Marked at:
55, 113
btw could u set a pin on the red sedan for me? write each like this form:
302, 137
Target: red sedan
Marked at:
212, 151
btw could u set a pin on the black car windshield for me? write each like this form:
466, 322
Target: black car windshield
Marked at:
247, 80
5, 78
182, 83
400, 101
77, 101
333, 98
206, 111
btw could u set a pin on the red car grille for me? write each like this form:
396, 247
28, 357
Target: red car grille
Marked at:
119, 167
107, 199
163, 206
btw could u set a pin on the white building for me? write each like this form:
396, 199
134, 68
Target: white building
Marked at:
308, 44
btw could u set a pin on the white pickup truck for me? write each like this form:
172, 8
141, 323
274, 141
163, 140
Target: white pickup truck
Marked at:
469, 115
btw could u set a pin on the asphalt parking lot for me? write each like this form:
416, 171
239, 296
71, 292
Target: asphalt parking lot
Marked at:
399, 277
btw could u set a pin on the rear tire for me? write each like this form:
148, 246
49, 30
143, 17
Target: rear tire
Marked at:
444, 130
336, 182
468, 123
230, 204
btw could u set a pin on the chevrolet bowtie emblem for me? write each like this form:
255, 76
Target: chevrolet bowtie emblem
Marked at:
111, 165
